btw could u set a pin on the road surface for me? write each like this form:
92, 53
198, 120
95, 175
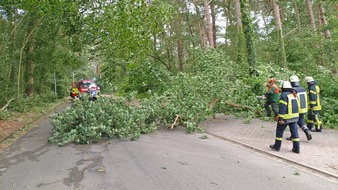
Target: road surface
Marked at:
166, 159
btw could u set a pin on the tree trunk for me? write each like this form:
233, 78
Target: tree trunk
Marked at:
98, 70
249, 36
297, 15
30, 67
228, 22
320, 43
179, 43
238, 15
279, 35
213, 16
191, 54
200, 25
208, 21
11, 70
311, 17
323, 21
30, 70
240, 36
327, 34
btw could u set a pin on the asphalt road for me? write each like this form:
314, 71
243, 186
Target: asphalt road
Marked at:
167, 159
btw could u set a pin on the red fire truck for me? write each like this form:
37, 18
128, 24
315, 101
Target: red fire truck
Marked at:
80, 89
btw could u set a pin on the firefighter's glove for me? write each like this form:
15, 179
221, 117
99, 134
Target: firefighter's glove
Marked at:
277, 118
281, 121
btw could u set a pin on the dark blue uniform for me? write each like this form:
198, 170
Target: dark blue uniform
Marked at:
303, 108
315, 107
288, 115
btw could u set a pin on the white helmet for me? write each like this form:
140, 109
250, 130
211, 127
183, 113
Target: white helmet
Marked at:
294, 78
286, 84
309, 79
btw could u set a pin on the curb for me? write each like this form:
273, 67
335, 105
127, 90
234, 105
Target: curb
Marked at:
326, 174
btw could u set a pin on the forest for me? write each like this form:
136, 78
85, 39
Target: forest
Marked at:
166, 62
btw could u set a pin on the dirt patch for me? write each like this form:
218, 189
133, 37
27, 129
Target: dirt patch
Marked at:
20, 123
12, 129
7, 128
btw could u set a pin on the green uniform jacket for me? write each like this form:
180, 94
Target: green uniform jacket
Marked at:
272, 94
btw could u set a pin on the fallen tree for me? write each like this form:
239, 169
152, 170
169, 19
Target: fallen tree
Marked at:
6, 105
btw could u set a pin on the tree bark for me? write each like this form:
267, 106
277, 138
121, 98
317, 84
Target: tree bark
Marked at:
297, 15
179, 43
200, 25
30, 65
311, 17
323, 21
191, 54
11, 72
279, 34
208, 21
25, 42
6, 105
213, 16
238, 15
240, 37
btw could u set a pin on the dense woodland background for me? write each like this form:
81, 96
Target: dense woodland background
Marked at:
196, 57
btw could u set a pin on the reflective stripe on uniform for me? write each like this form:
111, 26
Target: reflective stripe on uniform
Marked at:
313, 92
290, 114
283, 102
318, 106
302, 102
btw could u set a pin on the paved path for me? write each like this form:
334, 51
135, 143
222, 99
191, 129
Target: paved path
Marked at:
320, 154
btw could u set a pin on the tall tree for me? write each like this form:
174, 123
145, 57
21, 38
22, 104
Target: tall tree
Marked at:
249, 36
279, 34
240, 35
209, 25
30, 51
297, 15
311, 17
179, 42
201, 25
323, 21
213, 18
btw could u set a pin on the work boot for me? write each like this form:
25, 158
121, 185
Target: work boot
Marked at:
308, 134
275, 148
288, 138
316, 130
295, 151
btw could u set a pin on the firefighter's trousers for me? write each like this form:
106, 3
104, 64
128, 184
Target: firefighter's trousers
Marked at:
294, 135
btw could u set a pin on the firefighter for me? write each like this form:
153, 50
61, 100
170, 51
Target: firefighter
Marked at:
302, 102
288, 115
271, 98
314, 105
